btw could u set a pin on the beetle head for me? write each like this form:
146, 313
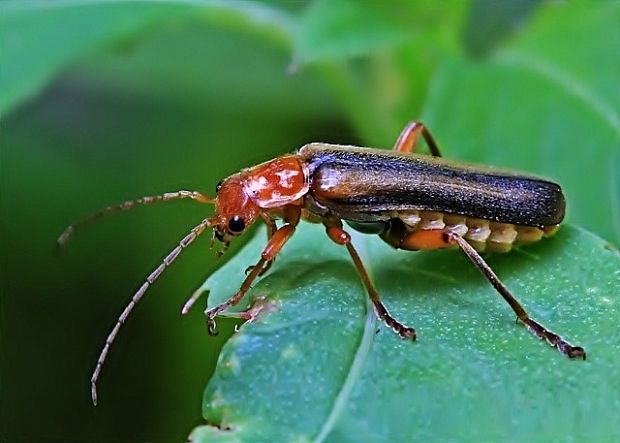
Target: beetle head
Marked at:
234, 209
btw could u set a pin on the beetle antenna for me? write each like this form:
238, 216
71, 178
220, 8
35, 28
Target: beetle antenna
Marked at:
167, 261
68, 233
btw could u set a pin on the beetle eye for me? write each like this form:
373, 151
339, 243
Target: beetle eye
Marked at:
236, 224
218, 186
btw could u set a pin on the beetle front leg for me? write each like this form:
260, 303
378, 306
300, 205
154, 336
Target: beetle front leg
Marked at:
273, 247
271, 230
409, 136
271, 225
341, 237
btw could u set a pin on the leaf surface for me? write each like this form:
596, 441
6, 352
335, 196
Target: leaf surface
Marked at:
339, 29
316, 365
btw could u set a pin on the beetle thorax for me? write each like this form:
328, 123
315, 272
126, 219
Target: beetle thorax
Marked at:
277, 183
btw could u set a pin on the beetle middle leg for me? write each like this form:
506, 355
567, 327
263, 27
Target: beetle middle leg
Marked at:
441, 238
271, 249
341, 237
409, 136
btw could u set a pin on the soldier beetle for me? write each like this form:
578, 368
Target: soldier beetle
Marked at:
412, 201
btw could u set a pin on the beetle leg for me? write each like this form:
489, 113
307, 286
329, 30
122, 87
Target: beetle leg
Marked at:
273, 247
271, 229
130, 204
271, 225
409, 136
341, 237
532, 325
291, 215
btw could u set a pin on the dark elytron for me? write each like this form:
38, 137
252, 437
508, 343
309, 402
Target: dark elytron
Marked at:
361, 184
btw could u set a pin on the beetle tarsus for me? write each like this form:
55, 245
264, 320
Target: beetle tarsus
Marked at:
554, 339
405, 332
212, 313
408, 333
211, 326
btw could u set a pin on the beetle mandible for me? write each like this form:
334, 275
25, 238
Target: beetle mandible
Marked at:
412, 201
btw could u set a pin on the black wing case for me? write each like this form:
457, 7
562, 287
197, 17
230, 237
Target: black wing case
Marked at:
365, 184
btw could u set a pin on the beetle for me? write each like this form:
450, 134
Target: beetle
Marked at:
412, 201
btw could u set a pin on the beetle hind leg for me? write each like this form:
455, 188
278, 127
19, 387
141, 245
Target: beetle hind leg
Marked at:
443, 238
532, 325
409, 136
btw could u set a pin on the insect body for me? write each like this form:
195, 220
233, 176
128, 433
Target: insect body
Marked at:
412, 201
380, 192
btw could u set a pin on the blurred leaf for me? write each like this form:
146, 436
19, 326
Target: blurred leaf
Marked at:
234, 75
402, 43
39, 38
339, 29
545, 106
316, 365
490, 22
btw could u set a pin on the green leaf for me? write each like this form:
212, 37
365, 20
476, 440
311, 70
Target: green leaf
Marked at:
316, 365
543, 105
490, 22
39, 38
339, 29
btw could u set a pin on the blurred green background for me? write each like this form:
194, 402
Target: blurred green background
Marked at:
104, 101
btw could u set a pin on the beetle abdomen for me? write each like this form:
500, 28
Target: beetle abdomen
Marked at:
484, 235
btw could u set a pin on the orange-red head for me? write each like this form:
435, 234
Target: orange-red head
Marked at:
234, 209
242, 197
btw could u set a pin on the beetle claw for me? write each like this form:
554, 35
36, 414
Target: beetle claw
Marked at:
211, 326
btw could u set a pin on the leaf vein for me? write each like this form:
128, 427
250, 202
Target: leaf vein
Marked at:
357, 364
